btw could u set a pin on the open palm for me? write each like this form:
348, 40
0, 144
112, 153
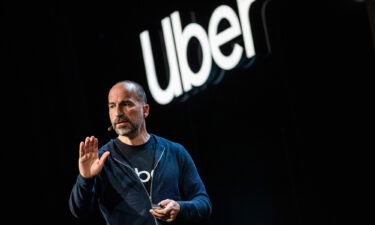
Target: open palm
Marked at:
89, 163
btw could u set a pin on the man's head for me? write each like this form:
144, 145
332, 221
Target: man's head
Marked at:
128, 108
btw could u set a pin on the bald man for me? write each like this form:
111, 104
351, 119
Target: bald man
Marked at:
137, 178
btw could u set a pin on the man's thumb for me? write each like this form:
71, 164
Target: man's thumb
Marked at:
104, 158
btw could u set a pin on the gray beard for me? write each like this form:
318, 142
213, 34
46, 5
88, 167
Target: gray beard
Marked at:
127, 132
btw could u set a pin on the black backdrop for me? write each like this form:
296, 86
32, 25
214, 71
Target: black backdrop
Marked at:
275, 143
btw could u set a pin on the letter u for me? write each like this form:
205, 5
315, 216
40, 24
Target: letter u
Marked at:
174, 87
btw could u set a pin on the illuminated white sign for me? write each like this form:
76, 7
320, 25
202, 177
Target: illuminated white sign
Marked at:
176, 44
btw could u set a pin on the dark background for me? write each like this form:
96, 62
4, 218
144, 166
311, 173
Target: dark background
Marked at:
283, 141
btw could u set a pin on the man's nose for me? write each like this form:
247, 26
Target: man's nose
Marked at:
119, 112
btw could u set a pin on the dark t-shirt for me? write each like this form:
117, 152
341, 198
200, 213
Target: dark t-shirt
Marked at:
141, 158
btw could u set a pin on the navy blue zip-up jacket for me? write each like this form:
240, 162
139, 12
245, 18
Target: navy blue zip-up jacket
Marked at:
123, 199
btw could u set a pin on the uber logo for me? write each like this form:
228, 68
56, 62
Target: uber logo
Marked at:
176, 41
144, 175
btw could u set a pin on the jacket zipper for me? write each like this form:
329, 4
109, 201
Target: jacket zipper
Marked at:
156, 164
139, 179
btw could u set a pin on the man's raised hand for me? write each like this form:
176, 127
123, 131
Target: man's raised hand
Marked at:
89, 163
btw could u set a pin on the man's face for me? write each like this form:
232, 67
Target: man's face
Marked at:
126, 112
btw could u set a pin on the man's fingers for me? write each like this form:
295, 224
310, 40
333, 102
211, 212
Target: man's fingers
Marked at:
91, 144
165, 202
168, 204
96, 145
86, 146
168, 207
164, 212
160, 211
170, 219
170, 211
172, 216
158, 215
81, 149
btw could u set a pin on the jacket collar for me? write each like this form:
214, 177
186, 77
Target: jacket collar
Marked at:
159, 149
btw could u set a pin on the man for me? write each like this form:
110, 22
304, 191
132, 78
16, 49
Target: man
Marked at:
137, 178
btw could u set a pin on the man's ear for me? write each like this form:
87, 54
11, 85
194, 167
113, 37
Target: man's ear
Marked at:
146, 110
